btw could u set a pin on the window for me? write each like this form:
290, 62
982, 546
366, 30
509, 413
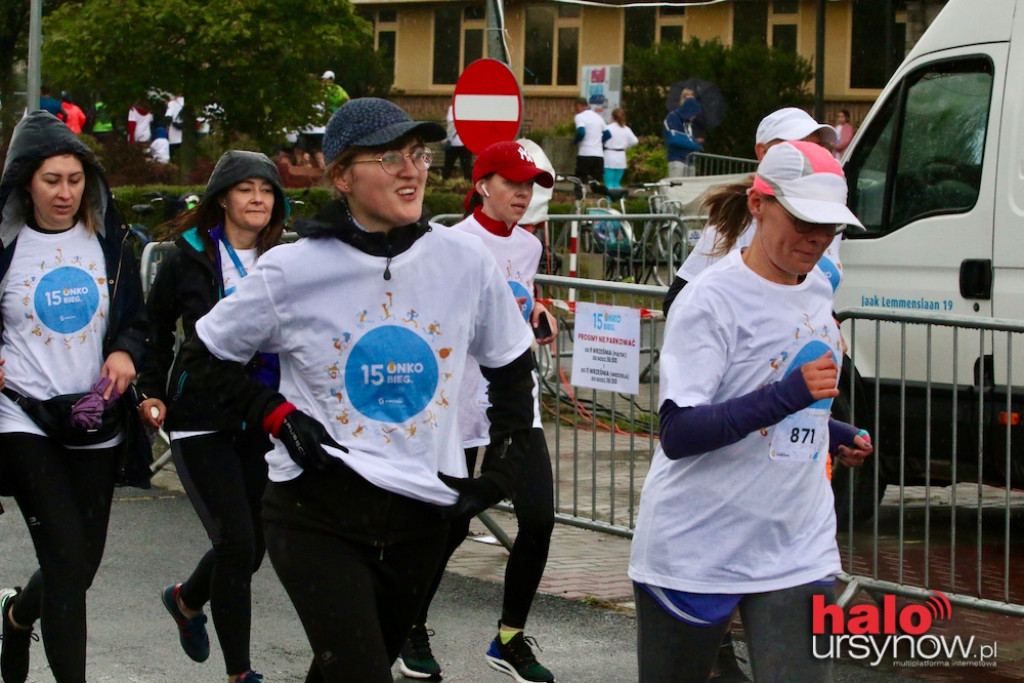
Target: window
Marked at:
868, 68
458, 41
782, 25
671, 24
922, 154
386, 31
551, 54
749, 24
641, 26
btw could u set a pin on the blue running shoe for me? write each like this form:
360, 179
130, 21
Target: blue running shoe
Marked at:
516, 659
195, 641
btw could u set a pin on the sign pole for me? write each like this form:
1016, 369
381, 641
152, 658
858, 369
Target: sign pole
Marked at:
495, 17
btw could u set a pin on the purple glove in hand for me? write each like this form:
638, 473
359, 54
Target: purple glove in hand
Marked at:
88, 412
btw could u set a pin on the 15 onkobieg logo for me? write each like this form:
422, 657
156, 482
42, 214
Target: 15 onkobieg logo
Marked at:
871, 633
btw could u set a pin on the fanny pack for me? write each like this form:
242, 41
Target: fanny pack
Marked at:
53, 416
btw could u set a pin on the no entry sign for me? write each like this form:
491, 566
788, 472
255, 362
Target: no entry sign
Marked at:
488, 104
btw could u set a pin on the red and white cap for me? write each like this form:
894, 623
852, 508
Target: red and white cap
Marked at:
512, 162
808, 181
791, 123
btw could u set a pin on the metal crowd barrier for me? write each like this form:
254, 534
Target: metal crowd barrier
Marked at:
714, 164
942, 489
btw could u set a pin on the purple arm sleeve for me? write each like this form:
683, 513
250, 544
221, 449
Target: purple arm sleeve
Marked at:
699, 429
840, 434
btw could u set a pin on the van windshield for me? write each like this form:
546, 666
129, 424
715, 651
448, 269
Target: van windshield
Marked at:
922, 154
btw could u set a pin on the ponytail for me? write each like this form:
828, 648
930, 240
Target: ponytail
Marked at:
726, 208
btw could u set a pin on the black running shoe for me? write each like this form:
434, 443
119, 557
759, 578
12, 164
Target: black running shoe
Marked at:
16, 641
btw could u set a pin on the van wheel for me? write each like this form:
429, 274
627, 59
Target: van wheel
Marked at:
864, 498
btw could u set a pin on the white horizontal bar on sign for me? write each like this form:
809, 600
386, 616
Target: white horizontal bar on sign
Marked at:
486, 108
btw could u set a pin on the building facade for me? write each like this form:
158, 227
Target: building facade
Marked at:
548, 43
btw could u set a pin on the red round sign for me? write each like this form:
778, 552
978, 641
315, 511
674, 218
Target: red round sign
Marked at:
487, 105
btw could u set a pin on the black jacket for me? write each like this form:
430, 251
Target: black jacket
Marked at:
186, 287
40, 136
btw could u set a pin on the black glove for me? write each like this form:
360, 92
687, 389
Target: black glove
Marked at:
475, 495
302, 435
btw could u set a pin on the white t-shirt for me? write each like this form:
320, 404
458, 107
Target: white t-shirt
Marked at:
756, 515
593, 126
174, 112
517, 257
622, 138
453, 136
160, 150
701, 256
378, 362
143, 132
55, 307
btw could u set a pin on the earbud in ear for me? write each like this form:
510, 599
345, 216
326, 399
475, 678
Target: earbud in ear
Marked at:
484, 192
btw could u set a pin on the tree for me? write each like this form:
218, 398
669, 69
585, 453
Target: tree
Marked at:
755, 80
250, 59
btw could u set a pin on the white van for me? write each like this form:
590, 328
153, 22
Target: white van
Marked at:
936, 174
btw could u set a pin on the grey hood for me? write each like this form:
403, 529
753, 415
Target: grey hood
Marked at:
37, 137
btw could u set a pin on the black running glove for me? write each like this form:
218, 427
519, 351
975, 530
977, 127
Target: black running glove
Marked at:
475, 495
303, 436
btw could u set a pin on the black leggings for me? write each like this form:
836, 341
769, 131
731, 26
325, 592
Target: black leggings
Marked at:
225, 474
356, 561
65, 497
535, 513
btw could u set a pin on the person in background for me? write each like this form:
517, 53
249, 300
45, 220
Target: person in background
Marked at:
99, 122
683, 135
219, 459
620, 138
48, 103
591, 134
61, 233
737, 509
140, 121
335, 95
75, 117
160, 150
368, 314
173, 123
503, 179
844, 133
454, 150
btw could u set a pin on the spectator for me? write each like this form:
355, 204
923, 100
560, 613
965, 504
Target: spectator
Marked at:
591, 134
735, 511
454, 150
159, 150
74, 116
99, 121
48, 103
220, 460
368, 315
683, 135
62, 233
172, 119
621, 138
844, 133
140, 121
335, 95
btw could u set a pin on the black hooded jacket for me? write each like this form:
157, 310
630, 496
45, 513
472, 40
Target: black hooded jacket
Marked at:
40, 136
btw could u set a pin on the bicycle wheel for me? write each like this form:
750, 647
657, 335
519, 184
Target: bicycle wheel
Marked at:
671, 245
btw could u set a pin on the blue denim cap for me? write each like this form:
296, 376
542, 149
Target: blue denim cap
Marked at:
372, 122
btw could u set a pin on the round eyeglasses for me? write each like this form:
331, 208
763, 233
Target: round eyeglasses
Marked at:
394, 161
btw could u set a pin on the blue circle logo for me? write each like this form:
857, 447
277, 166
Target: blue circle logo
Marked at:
67, 299
812, 351
391, 374
520, 292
